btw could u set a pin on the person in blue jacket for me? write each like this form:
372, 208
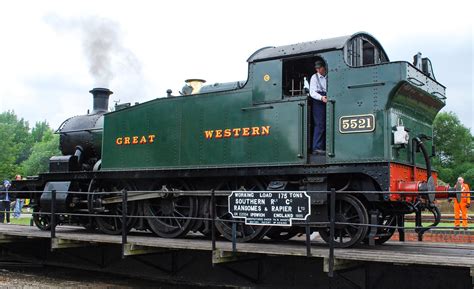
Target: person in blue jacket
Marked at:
18, 202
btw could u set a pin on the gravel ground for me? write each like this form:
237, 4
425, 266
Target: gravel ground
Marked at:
53, 277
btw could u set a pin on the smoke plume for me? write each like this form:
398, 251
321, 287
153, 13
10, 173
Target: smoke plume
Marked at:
102, 46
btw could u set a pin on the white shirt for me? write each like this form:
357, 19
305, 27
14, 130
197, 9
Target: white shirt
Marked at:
315, 86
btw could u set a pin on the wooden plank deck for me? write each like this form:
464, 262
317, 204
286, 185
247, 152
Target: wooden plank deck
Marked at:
416, 253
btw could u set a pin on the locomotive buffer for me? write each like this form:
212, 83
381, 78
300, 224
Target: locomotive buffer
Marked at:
275, 208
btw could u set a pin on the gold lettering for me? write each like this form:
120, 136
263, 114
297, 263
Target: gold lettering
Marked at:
135, 139
208, 134
236, 132
151, 138
246, 131
265, 130
255, 131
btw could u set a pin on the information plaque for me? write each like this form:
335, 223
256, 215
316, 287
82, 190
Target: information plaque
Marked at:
278, 208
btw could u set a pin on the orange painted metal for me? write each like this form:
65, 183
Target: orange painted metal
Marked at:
403, 178
408, 186
442, 192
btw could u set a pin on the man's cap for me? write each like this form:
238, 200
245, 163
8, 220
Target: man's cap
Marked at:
319, 64
6, 182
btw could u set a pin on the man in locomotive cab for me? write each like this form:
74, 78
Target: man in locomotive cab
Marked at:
317, 91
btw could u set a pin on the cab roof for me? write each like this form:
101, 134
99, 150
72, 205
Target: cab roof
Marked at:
272, 52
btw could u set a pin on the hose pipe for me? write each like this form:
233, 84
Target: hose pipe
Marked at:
421, 145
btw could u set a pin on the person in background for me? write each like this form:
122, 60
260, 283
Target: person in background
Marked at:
317, 91
463, 205
5, 202
18, 203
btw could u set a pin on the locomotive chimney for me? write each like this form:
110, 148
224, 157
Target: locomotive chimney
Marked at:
101, 99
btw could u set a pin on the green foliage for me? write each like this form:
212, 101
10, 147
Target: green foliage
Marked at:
469, 177
19, 128
9, 151
39, 131
453, 140
446, 174
21, 151
455, 147
41, 153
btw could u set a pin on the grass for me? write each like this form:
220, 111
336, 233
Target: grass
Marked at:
20, 221
23, 220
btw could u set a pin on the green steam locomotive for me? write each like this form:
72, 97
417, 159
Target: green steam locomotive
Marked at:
172, 153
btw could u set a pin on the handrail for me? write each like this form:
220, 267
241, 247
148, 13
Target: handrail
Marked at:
441, 96
415, 81
331, 223
332, 152
301, 132
253, 108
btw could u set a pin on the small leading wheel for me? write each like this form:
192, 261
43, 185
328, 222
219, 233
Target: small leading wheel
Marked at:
244, 233
42, 221
113, 225
173, 215
352, 215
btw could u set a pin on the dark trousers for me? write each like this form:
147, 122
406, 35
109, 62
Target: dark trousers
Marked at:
319, 125
4, 210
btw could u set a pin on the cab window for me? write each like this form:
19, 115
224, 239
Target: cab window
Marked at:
361, 51
296, 75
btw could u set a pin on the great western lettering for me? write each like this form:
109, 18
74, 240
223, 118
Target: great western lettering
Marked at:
237, 132
135, 140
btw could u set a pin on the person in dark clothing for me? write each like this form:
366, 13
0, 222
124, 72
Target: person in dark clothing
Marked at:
5, 202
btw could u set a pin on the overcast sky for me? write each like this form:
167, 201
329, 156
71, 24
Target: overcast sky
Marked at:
48, 62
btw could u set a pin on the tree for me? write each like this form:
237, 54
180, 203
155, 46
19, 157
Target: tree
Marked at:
469, 177
8, 151
21, 135
24, 152
454, 141
455, 146
38, 161
39, 130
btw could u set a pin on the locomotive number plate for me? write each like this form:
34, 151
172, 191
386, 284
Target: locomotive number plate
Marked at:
357, 123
